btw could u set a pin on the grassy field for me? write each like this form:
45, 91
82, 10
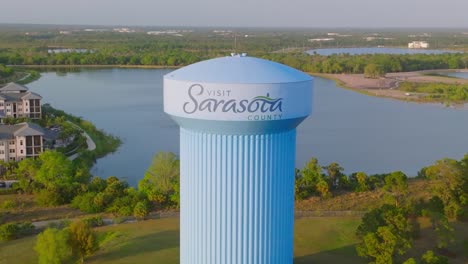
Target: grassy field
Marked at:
317, 240
157, 241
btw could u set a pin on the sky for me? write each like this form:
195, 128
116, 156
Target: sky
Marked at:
240, 13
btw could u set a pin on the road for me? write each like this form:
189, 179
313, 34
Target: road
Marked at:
89, 142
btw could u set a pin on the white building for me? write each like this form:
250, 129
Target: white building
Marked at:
418, 45
20, 141
16, 101
321, 39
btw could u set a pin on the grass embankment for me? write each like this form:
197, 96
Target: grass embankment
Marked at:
363, 201
21, 77
24, 208
317, 240
437, 92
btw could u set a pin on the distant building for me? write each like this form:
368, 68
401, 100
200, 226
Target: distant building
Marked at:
20, 141
376, 38
418, 45
177, 33
321, 39
124, 30
16, 101
67, 50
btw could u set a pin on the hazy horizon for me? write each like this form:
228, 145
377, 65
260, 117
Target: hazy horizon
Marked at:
241, 13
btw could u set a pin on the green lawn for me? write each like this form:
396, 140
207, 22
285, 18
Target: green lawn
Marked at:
318, 240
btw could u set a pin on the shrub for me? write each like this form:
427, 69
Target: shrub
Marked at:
83, 239
8, 204
12, 231
85, 202
430, 258
52, 246
94, 221
140, 211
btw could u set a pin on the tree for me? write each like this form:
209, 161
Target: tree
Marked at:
361, 179
334, 171
374, 71
52, 246
161, 176
396, 185
382, 245
140, 211
322, 188
82, 239
450, 183
26, 171
55, 169
307, 179
384, 232
445, 232
430, 258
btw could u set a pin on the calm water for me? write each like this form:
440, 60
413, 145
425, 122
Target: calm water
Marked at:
463, 75
359, 132
375, 50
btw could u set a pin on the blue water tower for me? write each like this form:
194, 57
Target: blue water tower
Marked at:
238, 117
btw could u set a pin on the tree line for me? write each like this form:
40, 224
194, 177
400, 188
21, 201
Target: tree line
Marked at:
339, 63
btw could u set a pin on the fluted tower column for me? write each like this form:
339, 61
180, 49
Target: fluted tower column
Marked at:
238, 117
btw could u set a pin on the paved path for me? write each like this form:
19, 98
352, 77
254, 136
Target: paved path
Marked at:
89, 142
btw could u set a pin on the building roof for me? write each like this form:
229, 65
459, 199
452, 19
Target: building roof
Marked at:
12, 97
17, 97
51, 134
13, 87
20, 130
238, 69
31, 95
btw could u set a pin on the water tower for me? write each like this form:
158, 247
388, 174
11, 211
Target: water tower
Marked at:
238, 117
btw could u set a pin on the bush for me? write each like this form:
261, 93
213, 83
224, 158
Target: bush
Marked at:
94, 221
8, 231
85, 202
59, 225
54, 197
430, 258
12, 231
8, 204
125, 211
140, 211
52, 246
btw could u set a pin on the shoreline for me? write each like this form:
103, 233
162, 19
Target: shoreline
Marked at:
387, 87
118, 66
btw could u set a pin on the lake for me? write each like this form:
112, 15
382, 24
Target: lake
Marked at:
375, 50
360, 132
463, 75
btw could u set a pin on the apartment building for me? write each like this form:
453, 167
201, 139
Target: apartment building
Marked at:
20, 141
17, 101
